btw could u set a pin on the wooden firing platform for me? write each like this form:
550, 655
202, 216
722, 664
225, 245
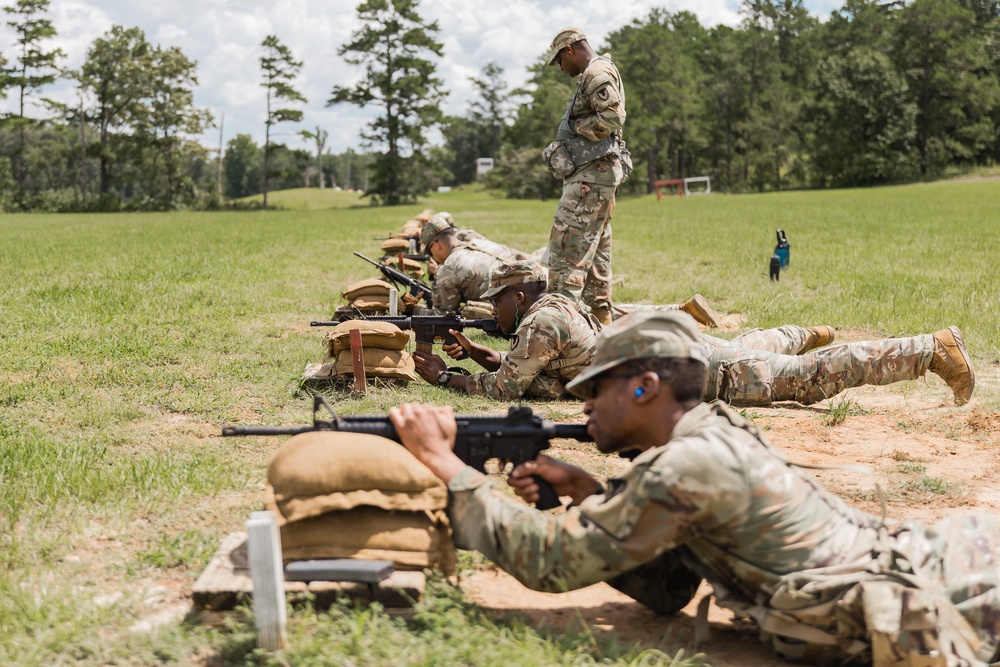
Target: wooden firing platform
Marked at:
226, 581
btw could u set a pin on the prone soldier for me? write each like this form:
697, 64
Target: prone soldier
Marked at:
553, 341
709, 496
464, 267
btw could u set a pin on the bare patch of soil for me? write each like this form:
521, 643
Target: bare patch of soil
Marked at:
930, 458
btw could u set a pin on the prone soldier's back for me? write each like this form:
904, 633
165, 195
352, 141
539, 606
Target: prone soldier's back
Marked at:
465, 275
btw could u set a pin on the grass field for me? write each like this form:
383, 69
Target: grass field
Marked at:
127, 340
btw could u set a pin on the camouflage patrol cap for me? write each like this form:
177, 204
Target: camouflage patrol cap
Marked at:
565, 37
517, 273
433, 227
665, 334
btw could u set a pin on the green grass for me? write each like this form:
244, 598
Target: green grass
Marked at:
127, 340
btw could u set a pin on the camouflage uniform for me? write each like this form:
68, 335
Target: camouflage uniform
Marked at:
467, 235
552, 344
464, 276
579, 255
823, 581
775, 372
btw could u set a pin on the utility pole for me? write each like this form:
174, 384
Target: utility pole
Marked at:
83, 149
218, 164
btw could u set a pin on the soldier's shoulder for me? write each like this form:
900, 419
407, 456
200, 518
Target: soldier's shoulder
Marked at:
600, 71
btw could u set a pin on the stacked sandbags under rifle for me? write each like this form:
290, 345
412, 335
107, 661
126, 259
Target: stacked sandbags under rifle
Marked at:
353, 495
367, 297
384, 346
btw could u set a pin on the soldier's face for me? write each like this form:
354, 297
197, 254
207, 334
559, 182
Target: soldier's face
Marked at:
566, 62
606, 408
505, 310
437, 251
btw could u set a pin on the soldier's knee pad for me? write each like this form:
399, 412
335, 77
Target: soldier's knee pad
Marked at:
745, 382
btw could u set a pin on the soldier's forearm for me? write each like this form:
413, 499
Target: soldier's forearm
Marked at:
599, 125
486, 357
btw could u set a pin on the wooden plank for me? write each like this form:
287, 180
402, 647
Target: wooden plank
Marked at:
268, 575
226, 582
358, 362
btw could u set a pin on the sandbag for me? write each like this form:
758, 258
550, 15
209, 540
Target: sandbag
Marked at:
392, 246
367, 287
411, 540
411, 267
411, 228
477, 310
378, 363
374, 305
325, 471
381, 335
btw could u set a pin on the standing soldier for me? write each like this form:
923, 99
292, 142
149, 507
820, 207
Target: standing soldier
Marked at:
590, 156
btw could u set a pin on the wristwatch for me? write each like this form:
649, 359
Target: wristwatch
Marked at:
444, 378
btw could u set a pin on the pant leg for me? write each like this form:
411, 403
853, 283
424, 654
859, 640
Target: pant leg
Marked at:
789, 339
577, 228
597, 286
749, 377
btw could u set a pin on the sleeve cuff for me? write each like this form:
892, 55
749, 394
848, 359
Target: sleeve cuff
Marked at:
468, 479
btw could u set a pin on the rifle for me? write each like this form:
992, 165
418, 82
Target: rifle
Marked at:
428, 328
396, 276
518, 437
416, 258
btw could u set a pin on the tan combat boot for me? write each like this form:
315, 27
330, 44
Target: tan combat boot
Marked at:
698, 308
818, 337
602, 315
952, 363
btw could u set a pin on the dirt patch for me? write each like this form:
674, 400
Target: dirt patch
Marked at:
930, 458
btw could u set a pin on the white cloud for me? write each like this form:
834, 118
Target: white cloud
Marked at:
224, 37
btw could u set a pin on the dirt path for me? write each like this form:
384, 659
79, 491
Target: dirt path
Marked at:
930, 458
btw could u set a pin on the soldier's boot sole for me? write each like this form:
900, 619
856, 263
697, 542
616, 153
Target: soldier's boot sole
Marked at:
950, 361
698, 308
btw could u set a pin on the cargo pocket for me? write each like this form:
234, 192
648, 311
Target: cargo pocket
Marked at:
745, 382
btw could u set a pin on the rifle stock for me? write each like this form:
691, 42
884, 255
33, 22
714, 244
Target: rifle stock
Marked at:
519, 436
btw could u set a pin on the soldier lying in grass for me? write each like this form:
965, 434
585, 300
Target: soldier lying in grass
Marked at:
708, 496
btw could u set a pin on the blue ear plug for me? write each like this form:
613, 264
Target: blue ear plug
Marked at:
640, 391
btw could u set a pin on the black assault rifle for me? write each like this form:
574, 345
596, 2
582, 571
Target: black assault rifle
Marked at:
396, 276
428, 328
518, 437
415, 258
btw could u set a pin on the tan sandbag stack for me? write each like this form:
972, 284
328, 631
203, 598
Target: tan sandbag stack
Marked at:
477, 310
353, 495
411, 228
411, 267
393, 246
384, 344
370, 296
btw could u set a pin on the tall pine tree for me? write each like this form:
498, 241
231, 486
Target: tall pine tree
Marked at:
280, 69
393, 46
35, 67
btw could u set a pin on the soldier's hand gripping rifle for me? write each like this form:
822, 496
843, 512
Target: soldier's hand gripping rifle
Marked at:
397, 277
428, 328
518, 437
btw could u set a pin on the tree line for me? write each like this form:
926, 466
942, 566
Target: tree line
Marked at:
880, 92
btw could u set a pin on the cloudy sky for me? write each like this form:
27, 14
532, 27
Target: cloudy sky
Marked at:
224, 37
